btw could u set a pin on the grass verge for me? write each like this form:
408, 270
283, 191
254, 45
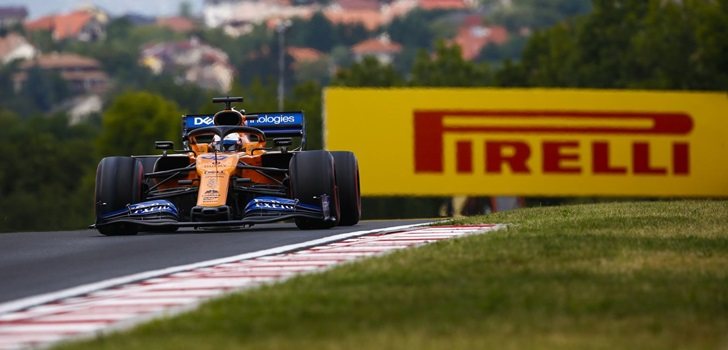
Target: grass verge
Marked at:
647, 275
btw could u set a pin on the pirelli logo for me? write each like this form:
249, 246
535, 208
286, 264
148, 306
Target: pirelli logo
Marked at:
566, 136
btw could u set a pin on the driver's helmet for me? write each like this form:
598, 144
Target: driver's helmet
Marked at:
231, 143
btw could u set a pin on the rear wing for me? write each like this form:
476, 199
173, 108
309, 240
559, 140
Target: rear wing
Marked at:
272, 124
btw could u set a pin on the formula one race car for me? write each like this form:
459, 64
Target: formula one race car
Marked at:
235, 170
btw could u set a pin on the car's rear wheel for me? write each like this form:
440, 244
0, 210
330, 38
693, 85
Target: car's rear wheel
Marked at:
118, 184
312, 175
347, 181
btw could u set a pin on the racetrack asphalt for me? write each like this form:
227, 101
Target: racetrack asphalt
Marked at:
33, 263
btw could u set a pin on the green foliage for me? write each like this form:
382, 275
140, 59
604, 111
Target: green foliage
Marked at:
307, 97
447, 68
549, 58
318, 33
43, 40
259, 96
368, 73
43, 89
134, 121
635, 44
511, 50
321, 34
189, 97
415, 29
537, 14
42, 181
317, 71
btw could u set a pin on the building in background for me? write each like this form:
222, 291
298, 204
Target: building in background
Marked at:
473, 36
14, 47
177, 24
381, 48
191, 61
82, 74
87, 24
219, 13
11, 16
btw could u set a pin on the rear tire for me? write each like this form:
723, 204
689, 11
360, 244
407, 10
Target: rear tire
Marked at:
347, 181
312, 174
118, 184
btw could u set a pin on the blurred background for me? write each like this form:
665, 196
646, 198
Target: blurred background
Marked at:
80, 80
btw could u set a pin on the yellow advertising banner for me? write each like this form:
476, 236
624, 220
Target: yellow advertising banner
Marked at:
551, 142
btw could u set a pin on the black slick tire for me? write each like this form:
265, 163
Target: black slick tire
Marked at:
118, 184
312, 174
347, 181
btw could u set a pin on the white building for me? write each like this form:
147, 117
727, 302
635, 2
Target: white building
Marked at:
15, 47
217, 13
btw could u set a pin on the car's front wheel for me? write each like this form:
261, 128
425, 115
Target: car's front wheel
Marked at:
312, 175
118, 184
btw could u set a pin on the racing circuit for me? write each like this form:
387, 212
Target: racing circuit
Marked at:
33, 263
59, 284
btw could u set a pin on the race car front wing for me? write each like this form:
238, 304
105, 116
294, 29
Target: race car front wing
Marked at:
163, 214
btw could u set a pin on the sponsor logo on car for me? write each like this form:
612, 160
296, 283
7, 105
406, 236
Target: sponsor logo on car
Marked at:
274, 205
270, 203
210, 196
152, 207
198, 121
274, 119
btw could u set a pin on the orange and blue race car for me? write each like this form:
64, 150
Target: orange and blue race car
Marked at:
235, 170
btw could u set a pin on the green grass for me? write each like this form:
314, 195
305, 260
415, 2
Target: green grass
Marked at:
643, 275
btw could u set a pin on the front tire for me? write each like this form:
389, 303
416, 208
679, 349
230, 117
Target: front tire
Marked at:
312, 174
347, 181
118, 184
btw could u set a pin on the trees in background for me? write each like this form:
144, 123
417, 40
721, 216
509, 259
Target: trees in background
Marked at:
535, 14
368, 73
44, 180
446, 67
134, 120
633, 44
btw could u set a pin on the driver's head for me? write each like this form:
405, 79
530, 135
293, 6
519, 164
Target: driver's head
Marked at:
232, 143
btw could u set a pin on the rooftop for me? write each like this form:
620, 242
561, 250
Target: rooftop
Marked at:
381, 44
371, 19
64, 25
62, 60
177, 24
10, 42
442, 4
472, 39
302, 54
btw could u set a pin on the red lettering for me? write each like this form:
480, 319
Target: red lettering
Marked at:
430, 129
495, 157
465, 157
680, 158
641, 160
428, 142
600, 160
553, 157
